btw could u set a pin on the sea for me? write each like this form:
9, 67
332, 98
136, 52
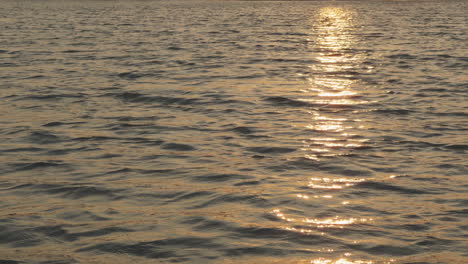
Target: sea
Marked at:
257, 132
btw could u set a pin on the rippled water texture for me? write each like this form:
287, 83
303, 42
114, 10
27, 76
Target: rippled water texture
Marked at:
233, 132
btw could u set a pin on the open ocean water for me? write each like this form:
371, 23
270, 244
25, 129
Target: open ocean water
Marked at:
233, 132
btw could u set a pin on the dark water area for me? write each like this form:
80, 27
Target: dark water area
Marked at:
234, 132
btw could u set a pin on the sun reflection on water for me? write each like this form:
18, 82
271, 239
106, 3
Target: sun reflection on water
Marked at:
334, 184
332, 90
337, 94
315, 223
339, 261
332, 83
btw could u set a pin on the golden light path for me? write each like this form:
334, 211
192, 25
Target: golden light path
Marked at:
333, 222
339, 261
330, 86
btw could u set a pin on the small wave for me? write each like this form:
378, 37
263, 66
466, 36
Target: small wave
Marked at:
163, 248
175, 48
26, 149
24, 237
65, 151
464, 114
207, 225
221, 177
158, 198
74, 51
95, 138
17, 237
332, 104
7, 261
387, 250
50, 96
458, 147
435, 242
178, 147
57, 232
263, 250
52, 124
286, 101
394, 111
389, 187
38, 165
243, 130
77, 192
247, 183
81, 215
101, 232
404, 56
35, 77
263, 232
190, 195
134, 97
271, 150
43, 137
434, 90
233, 198
7, 64
130, 75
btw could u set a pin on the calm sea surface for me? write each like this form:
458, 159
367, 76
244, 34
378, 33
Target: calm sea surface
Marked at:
233, 132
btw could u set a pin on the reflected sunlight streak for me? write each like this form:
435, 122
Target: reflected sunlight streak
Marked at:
330, 85
333, 222
332, 184
339, 261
